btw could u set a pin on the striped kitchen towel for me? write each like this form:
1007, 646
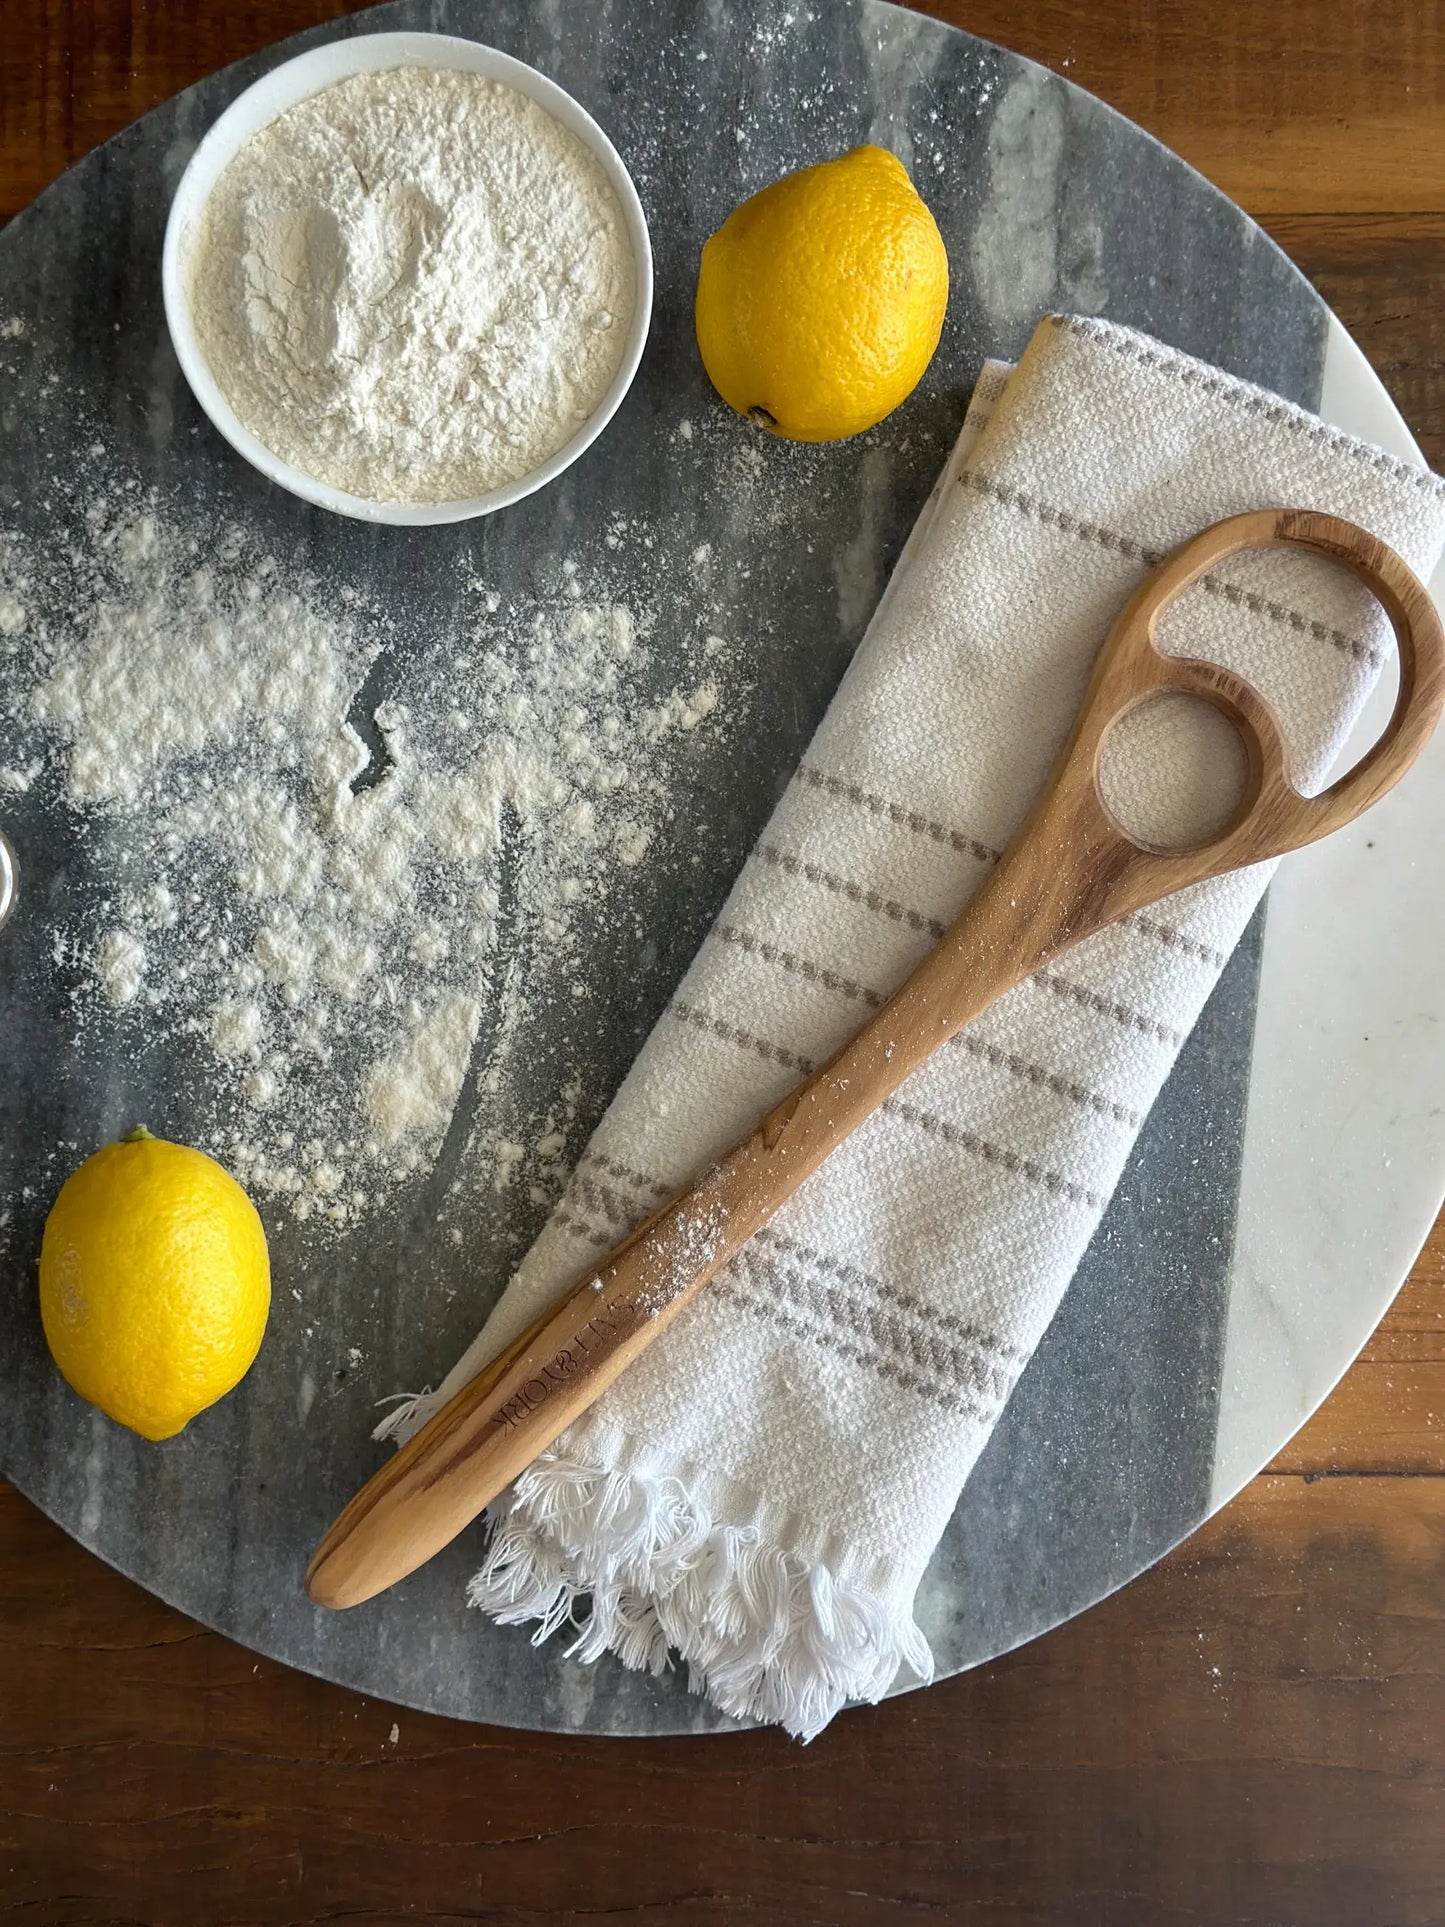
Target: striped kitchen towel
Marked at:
760, 1494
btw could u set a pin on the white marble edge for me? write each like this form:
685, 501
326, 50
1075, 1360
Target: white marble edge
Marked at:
1343, 1169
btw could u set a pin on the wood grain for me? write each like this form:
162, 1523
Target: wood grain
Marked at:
1384, 276
1302, 106
1252, 1733
1291, 107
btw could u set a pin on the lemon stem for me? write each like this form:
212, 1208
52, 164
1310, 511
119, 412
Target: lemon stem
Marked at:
137, 1136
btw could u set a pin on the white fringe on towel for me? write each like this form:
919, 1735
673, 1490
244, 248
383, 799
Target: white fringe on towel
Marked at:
409, 1413
766, 1634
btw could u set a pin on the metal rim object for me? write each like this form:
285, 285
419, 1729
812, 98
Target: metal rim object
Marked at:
9, 878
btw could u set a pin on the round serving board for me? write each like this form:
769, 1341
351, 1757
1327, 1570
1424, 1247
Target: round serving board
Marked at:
1283, 1182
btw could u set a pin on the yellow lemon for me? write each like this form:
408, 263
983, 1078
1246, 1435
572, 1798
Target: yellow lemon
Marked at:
154, 1282
820, 300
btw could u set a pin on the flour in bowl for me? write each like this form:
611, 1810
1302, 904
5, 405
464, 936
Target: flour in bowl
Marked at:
414, 286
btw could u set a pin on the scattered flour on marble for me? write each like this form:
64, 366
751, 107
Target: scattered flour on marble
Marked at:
411, 1094
314, 928
120, 963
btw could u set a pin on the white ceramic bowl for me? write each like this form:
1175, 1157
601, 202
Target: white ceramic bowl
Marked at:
298, 79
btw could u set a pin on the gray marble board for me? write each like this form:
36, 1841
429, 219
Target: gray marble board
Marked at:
1046, 199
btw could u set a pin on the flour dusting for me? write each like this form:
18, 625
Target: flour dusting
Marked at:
314, 905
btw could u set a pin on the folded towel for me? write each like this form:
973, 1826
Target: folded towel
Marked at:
762, 1491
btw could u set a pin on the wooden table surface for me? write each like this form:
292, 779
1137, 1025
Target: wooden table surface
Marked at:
1253, 1732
